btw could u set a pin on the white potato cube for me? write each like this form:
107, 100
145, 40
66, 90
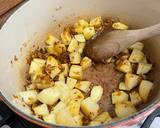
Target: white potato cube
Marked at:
120, 26
44, 84
90, 108
135, 98
75, 58
80, 38
131, 80
74, 107
51, 40
41, 110
76, 72
89, 32
124, 109
50, 118
51, 50
124, 66
83, 86
119, 96
66, 37
64, 91
96, 22
59, 48
81, 47
86, 63
144, 60
35, 68
143, 68
59, 106
61, 77
76, 95
54, 72
78, 120
96, 93
29, 97
73, 45
104, 117
65, 69
137, 45
65, 118
80, 25
123, 87
51, 61
145, 88
136, 56
30, 87
71, 82
49, 95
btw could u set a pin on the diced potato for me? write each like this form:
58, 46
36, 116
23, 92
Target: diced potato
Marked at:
124, 109
65, 69
86, 63
119, 96
71, 82
74, 107
144, 60
50, 118
135, 98
64, 91
60, 106
83, 86
54, 72
89, 32
61, 77
49, 95
73, 45
80, 25
65, 118
51, 40
136, 56
78, 120
81, 47
80, 38
45, 84
96, 22
76, 95
31, 87
96, 93
122, 86
144, 68
59, 48
104, 117
35, 68
137, 45
66, 37
124, 66
90, 108
51, 61
29, 97
41, 110
131, 80
75, 58
76, 72
51, 50
120, 26
145, 88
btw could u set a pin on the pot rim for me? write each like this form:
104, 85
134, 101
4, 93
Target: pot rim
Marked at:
45, 124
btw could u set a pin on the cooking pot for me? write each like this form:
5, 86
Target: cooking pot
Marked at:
32, 21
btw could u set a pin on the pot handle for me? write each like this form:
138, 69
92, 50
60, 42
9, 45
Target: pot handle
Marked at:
150, 118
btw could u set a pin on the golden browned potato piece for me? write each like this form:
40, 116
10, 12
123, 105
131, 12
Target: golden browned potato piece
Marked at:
119, 96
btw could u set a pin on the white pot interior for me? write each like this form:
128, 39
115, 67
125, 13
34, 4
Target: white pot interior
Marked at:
32, 21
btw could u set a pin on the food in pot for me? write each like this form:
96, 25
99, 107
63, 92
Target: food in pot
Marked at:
65, 86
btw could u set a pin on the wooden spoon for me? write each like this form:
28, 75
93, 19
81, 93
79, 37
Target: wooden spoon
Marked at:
108, 44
